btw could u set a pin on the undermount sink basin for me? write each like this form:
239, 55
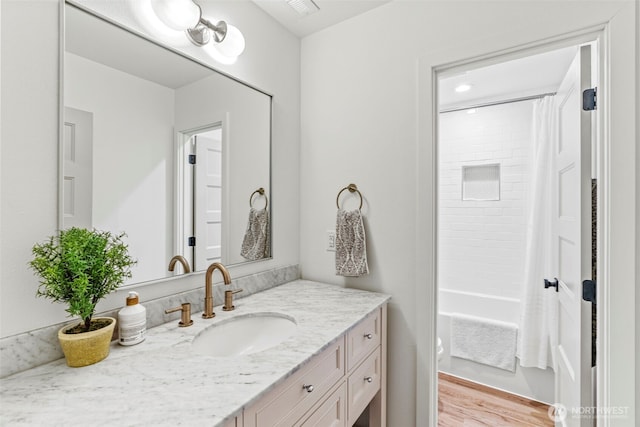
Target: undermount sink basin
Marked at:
244, 335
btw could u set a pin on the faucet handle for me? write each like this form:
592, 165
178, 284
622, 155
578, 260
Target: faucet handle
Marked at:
228, 300
185, 318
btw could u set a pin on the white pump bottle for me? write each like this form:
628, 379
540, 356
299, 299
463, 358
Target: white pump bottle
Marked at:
132, 321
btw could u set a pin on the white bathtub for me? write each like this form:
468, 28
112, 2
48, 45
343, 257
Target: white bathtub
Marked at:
532, 383
479, 305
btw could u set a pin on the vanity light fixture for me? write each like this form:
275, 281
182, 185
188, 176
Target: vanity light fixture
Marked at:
187, 15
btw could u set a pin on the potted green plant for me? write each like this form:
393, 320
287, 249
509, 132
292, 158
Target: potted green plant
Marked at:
79, 267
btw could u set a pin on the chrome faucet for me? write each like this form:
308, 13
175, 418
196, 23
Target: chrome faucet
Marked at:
208, 287
182, 260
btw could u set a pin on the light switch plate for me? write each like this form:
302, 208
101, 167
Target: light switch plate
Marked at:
331, 240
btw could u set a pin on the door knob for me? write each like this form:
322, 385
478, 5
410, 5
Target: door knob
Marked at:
551, 284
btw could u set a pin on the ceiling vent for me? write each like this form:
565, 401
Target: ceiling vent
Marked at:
303, 7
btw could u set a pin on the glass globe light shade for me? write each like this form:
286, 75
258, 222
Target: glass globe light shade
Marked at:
177, 14
233, 44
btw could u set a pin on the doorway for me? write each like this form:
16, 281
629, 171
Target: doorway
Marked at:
495, 244
200, 190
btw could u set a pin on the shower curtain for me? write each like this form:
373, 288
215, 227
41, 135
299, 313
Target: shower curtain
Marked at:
538, 321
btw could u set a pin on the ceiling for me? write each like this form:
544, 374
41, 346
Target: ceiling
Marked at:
98, 40
331, 12
531, 75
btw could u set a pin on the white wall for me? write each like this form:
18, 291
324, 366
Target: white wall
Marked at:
29, 144
29, 150
365, 83
637, 262
481, 245
245, 114
127, 152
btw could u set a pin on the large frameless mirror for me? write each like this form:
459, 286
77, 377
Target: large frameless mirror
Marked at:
158, 146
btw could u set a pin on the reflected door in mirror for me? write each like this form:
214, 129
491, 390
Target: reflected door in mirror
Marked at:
78, 168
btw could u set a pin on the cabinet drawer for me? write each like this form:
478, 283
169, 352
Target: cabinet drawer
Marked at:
363, 338
362, 385
330, 413
290, 401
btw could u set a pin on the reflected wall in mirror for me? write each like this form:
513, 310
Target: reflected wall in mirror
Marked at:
158, 146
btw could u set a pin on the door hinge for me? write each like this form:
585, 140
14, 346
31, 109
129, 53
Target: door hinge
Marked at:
590, 99
589, 290
192, 241
192, 159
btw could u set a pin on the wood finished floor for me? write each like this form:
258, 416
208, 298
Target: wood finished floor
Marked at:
464, 403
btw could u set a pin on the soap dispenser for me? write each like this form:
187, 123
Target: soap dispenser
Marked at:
132, 321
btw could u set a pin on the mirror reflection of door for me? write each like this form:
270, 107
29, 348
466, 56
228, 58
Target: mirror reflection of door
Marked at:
78, 168
207, 192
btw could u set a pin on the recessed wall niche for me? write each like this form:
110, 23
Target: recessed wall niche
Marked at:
481, 182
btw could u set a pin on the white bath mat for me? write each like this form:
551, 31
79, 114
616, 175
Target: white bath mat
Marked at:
484, 341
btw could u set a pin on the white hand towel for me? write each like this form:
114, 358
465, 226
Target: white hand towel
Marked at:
351, 248
255, 244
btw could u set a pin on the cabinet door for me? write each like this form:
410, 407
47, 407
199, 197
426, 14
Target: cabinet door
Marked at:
332, 412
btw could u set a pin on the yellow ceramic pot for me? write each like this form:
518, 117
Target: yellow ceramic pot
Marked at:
87, 348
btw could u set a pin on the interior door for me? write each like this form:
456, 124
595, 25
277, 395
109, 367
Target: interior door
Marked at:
208, 199
77, 152
572, 242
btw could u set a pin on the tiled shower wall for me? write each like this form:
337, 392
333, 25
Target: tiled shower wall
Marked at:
482, 243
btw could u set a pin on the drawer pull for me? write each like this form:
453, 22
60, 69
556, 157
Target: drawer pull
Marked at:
368, 336
368, 379
308, 387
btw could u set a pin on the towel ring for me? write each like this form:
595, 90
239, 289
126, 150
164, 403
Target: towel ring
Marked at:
261, 192
352, 189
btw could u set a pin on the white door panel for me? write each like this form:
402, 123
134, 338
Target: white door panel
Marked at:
77, 153
572, 241
208, 206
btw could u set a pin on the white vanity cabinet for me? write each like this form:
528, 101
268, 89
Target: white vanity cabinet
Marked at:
336, 386
339, 348
234, 422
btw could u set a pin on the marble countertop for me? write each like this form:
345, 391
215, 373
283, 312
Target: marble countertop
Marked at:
161, 381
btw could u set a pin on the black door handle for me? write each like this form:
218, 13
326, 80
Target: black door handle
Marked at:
551, 284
